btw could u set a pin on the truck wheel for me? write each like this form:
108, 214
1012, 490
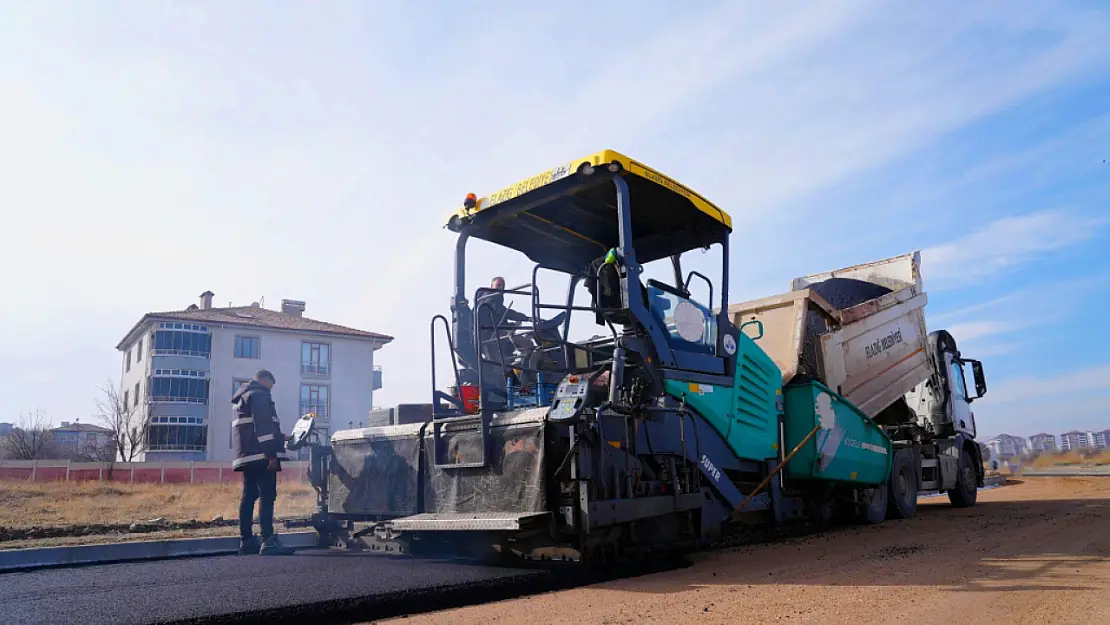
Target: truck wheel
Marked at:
966, 491
873, 503
903, 486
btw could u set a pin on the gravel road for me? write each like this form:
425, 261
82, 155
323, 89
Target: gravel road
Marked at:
1036, 551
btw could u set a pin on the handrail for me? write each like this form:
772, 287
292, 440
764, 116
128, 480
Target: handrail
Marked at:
454, 362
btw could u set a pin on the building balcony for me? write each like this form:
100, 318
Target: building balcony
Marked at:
316, 369
193, 353
175, 447
376, 380
321, 412
165, 399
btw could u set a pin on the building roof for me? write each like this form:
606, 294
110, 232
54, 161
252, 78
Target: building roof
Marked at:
81, 427
254, 317
1043, 434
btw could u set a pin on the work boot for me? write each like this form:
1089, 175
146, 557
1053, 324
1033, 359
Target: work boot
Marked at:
271, 546
249, 546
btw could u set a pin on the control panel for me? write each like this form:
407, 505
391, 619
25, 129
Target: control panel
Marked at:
301, 431
569, 400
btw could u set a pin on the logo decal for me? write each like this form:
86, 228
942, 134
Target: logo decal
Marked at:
831, 434
713, 471
729, 344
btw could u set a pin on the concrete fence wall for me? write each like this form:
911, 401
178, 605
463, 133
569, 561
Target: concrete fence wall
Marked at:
137, 472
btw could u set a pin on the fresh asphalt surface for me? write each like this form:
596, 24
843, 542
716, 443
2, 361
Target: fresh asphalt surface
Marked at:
311, 586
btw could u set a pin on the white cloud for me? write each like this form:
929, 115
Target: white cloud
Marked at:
1008, 323
1056, 387
1005, 244
1075, 399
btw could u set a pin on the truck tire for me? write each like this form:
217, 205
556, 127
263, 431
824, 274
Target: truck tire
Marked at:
873, 504
966, 491
903, 486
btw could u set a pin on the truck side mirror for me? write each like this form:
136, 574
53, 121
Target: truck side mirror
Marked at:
980, 378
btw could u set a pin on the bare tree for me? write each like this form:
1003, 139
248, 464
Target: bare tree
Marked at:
126, 421
30, 439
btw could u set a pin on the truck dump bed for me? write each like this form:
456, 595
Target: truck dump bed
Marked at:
871, 350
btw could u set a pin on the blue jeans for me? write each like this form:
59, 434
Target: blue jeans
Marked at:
259, 484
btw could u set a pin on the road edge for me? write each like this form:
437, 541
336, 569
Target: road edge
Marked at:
15, 560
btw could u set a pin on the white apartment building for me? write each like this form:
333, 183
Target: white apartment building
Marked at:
1076, 440
83, 441
1101, 439
1043, 442
1005, 446
181, 368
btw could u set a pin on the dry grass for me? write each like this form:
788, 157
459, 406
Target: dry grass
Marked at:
1070, 458
26, 504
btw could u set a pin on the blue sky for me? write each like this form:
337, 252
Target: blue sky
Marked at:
154, 150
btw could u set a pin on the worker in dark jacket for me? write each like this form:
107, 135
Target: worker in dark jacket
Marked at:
259, 449
494, 319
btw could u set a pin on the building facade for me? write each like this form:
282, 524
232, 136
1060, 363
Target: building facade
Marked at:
83, 441
181, 368
1043, 442
1101, 439
1076, 440
1005, 446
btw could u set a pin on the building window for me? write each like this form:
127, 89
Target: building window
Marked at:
248, 347
177, 434
182, 339
236, 384
178, 386
315, 359
139, 350
314, 399
137, 394
127, 361
126, 400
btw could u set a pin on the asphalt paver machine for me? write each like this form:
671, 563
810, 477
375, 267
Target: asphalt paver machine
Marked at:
680, 422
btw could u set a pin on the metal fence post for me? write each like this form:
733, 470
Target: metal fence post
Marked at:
34, 470
68, 462
193, 472
162, 464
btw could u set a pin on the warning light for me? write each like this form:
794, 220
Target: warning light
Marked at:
471, 200
573, 379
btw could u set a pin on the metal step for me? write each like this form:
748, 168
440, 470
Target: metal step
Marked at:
468, 521
929, 485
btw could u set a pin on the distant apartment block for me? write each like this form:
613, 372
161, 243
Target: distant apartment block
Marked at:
181, 368
1076, 440
1006, 446
1101, 439
1043, 442
83, 441
6, 428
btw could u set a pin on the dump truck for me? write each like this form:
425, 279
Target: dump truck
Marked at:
682, 422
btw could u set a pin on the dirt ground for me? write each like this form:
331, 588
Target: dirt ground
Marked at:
1035, 551
51, 504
